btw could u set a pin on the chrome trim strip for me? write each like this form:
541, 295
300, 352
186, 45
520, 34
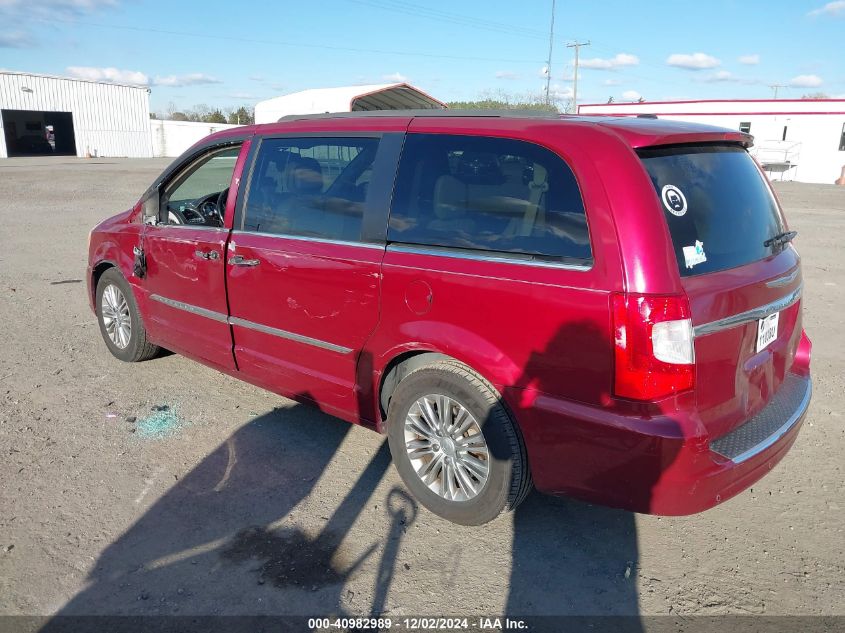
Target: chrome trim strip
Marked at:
222, 318
304, 238
783, 281
299, 338
187, 307
204, 227
422, 250
750, 315
783, 430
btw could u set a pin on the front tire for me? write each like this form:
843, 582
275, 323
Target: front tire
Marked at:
455, 445
120, 320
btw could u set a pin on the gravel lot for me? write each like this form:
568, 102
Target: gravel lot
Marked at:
235, 501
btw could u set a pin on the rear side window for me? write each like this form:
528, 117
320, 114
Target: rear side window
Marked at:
312, 187
488, 194
716, 203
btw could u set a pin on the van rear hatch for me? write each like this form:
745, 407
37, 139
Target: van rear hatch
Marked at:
740, 273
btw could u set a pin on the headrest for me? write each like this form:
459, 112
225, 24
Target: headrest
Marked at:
479, 168
304, 175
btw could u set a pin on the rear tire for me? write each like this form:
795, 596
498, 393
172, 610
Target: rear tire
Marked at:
443, 463
120, 320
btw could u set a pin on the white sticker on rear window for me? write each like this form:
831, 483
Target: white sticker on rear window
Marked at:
674, 200
694, 254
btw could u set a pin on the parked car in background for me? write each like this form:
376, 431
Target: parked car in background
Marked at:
608, 308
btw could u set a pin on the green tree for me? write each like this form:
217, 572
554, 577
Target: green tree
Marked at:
501, 100
214, 117
242, 116
178, 116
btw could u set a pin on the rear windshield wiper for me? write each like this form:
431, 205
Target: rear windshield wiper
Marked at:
781, 238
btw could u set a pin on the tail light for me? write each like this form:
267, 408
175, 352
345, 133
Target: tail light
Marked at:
654, 350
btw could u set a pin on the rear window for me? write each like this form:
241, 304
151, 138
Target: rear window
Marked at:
718, 207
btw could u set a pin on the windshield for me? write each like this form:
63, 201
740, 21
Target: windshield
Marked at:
717, 205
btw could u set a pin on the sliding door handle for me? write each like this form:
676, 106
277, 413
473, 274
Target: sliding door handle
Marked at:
238, 260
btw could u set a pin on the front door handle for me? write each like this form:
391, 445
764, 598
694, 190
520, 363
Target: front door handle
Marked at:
207, 254
238, 260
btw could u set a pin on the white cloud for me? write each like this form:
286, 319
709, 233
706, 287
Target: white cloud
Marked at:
507, 74
631, 95
725, 76
696, 61
19, 14
831, 8
15, 39
109, 75
191, 79
397, 78
55, 8
610, 82
749, 60
618, 61
721, 75
558, 92
806, 81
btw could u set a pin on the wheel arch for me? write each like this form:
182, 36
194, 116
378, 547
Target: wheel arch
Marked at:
96, 273
396, 369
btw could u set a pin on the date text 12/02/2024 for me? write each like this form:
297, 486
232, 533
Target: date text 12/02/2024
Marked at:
326, 625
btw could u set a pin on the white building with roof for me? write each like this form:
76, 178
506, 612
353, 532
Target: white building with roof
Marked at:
43, 115
396, 96
794, 139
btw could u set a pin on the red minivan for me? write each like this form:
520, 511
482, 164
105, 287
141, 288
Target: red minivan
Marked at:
601, 307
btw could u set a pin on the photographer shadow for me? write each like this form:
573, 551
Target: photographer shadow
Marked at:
232, 523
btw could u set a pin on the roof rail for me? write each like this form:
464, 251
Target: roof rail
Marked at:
433, 112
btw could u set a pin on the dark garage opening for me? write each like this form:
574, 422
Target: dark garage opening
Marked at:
38, 133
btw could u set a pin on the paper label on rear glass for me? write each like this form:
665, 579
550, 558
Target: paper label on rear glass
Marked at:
694, 254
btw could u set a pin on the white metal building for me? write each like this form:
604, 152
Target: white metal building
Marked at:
794, 139
398, 96
42, 115
171, 138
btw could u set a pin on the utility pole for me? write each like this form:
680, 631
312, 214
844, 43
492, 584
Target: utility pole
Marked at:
576, 45
775, 88
549, 62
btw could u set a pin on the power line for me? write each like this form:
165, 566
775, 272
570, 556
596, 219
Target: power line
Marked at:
775, 87
454, 18
252, 40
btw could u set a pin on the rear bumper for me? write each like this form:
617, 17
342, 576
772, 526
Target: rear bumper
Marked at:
658, 465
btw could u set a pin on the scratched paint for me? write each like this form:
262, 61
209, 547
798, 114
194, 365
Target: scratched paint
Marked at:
163, 422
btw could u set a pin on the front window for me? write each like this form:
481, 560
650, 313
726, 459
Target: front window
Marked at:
197, 196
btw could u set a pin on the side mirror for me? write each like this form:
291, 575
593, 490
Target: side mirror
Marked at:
151, 207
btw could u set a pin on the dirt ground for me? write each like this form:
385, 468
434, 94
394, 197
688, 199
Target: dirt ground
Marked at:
165, 487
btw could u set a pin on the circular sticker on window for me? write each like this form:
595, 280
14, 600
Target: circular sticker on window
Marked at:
674, 200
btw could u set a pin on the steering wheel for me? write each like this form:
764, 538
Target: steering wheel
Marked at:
220, 206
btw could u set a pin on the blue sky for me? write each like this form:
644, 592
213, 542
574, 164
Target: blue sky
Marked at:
228, 54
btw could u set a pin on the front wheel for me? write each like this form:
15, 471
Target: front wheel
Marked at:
120, 321
455, 445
